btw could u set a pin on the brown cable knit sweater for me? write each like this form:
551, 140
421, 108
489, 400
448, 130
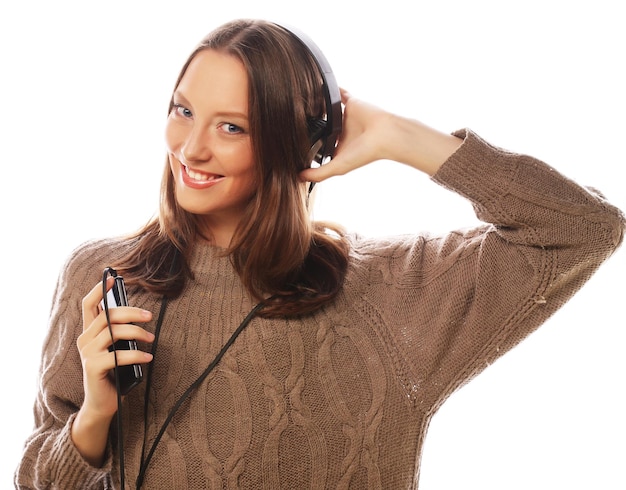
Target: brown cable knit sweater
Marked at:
341, 398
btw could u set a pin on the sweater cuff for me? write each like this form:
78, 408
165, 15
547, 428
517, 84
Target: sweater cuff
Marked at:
477, 170
72, 469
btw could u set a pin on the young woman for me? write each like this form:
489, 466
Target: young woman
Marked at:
349, 345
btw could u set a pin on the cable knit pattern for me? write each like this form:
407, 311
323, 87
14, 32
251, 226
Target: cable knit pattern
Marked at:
341, 398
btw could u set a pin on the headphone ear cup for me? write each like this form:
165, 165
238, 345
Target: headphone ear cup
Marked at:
317, 128
317, 131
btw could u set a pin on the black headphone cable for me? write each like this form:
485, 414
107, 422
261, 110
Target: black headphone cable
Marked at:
118, 416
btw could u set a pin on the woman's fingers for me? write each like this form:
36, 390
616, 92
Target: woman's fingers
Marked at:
100, 365
102, 341
125, 315
364, 138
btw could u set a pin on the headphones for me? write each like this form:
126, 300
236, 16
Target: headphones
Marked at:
323, 132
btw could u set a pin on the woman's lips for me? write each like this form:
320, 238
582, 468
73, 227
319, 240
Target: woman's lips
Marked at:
198, 180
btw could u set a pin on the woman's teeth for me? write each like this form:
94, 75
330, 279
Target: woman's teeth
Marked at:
200, 176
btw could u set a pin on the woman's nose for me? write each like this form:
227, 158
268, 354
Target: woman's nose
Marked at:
197, 146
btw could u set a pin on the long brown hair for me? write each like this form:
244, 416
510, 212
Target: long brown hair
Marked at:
277, 250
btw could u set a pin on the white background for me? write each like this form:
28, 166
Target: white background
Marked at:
85, 88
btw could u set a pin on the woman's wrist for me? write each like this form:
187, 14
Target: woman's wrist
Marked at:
422, 147
89, 435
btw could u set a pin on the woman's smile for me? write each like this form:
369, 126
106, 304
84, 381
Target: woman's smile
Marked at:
198, 179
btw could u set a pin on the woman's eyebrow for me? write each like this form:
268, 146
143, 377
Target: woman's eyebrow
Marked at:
237, 114
179, 95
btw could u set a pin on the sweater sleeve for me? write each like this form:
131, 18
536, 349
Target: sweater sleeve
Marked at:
545, 237
450, 305
50, 459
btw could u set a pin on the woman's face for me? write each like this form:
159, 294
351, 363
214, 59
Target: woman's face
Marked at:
208, 141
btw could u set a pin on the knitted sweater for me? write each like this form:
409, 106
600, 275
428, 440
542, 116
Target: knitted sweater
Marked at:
341, 398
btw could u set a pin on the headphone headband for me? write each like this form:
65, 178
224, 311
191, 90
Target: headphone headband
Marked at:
325, 131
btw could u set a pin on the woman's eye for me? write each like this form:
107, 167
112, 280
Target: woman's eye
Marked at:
231, 128
182, 111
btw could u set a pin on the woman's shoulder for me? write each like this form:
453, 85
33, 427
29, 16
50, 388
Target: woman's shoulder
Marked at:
406, 257
366, 248
375, 255
89, 259
101, 248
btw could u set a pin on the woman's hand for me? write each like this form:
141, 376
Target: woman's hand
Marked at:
370, 134
90, 428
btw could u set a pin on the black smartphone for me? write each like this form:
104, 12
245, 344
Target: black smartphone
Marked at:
130, 375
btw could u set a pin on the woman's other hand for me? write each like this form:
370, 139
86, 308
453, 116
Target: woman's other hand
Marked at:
90, 428
370, 134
